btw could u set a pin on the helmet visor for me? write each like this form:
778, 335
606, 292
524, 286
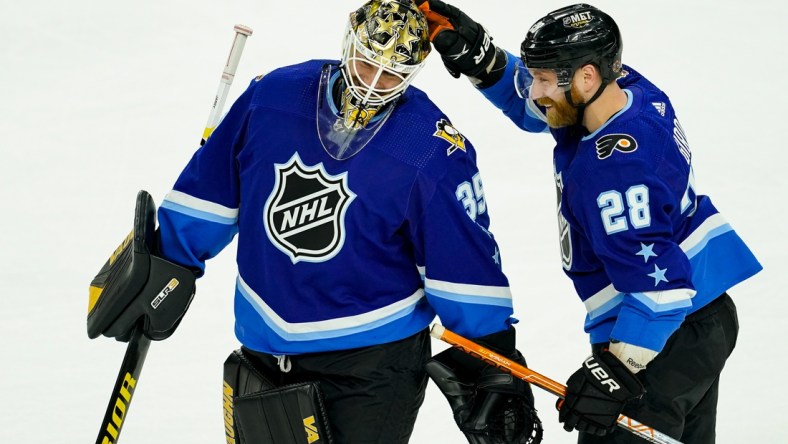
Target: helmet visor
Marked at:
534, 84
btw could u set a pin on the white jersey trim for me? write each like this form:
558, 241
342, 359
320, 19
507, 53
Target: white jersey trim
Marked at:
712, 227
205, 206
327, 325
468, 289
666, 300
601, 298
609, 298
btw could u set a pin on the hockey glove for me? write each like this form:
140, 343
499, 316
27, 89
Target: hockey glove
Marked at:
596, 395
489, 406
136, 284
464, 45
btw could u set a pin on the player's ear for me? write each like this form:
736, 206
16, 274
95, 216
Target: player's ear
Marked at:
587, 78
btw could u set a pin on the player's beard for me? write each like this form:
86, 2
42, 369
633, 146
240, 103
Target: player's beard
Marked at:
561, 113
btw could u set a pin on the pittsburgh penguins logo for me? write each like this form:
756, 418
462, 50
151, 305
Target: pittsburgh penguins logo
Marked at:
622, 142
305, 212
444, 130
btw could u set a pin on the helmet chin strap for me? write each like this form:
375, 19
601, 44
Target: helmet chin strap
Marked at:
581, 107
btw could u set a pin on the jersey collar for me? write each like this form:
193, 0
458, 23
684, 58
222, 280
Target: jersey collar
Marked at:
614, 117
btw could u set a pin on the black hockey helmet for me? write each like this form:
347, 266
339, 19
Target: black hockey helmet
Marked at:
573, 36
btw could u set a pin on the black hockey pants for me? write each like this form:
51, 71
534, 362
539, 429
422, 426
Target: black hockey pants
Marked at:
371, 394
682, 382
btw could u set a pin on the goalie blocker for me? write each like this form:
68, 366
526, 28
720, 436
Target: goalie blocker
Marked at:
135, 286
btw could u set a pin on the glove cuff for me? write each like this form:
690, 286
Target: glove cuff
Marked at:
635, 358
494, 71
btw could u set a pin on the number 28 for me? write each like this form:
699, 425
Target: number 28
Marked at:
612, 205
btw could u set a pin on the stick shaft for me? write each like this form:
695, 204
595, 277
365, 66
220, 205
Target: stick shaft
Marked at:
228, 74
541, 381
496, 360
137, 350
120, 401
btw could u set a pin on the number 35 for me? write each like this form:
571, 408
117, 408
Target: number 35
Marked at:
472, 196
612, 205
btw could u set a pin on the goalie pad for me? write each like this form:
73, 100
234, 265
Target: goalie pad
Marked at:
136, 286
256, 410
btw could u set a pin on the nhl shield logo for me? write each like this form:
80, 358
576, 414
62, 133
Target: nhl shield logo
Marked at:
305, 213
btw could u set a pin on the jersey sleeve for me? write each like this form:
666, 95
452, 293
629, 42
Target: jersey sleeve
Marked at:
463, 278
626, 211
199, 217
523, 112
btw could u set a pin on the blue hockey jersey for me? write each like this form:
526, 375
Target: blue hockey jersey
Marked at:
339, 254
641, 247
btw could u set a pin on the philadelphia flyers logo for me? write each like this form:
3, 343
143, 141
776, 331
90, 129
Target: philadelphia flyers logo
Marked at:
611, 142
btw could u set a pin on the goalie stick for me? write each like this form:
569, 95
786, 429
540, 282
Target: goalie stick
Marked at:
543, 382
228, 74
137, 349
129, 372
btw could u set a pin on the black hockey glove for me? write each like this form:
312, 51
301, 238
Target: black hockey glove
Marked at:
489, 406
464, 45
596, 395
136, 285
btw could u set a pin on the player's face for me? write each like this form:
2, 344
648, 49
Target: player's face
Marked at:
373, 77
559, 112
544, 83
546, 92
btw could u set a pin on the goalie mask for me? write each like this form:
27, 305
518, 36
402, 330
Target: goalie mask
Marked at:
385, 45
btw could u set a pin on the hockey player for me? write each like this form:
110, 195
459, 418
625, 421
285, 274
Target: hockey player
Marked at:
650, 259
360, 216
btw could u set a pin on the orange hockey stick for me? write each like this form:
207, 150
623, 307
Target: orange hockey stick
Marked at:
543, 382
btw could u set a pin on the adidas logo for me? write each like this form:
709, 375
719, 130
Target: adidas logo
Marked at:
660, 106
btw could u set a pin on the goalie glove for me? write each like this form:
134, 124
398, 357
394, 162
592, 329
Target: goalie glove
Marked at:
136, 285
464, 45
596, 394
488, 406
